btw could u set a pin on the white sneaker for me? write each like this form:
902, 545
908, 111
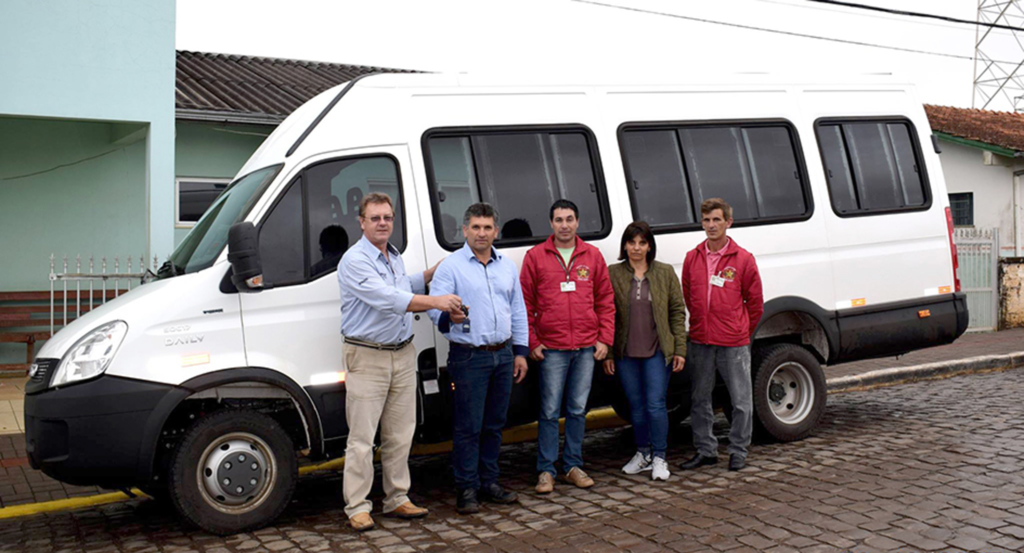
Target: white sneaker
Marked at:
639, 463
659, 469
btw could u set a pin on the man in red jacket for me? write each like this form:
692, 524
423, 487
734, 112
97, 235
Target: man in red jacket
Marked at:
722, 289
570, 308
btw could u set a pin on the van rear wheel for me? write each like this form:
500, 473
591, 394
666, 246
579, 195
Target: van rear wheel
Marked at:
233, 471
789, 392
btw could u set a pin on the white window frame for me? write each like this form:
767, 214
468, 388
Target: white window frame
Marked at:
178, 223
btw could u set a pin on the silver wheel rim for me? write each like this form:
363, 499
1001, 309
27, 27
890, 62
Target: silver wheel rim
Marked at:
791, 393
236, 473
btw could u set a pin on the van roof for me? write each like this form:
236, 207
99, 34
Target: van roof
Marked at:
644, 80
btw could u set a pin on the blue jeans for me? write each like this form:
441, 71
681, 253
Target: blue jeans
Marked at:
483, 385
645, 382
568, 373
733, 364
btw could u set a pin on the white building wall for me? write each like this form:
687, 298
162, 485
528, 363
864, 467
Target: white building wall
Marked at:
965, 171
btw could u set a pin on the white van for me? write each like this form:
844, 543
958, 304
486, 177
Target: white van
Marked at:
203, 385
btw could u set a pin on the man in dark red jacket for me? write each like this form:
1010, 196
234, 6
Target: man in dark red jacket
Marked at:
722, 289
570, 308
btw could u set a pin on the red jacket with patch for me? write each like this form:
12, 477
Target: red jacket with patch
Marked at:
568, 320
736, 306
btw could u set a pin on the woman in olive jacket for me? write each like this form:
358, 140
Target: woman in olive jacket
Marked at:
650, 342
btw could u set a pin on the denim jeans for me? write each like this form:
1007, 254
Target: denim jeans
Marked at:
645, 382
568, 373
483, 385
702, 361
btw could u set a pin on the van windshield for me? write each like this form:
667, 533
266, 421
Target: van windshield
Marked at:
207, 239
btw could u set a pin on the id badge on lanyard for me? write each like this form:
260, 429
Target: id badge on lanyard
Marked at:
569, 285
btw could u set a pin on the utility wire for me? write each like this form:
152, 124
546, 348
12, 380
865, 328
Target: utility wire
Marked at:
917, 14
780, 32
840, 10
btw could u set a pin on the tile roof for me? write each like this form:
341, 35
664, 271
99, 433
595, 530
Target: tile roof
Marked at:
997, 128
253, 89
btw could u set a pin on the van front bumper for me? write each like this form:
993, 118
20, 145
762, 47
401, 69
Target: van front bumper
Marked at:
100, 432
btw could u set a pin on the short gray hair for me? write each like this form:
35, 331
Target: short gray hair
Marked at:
481, 209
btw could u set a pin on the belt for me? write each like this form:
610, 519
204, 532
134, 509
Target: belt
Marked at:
486, 347
375, 345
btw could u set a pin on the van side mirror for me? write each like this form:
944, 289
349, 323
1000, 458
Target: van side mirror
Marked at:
244, 256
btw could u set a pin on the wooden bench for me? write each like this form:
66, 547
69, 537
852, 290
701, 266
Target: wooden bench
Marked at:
25, 318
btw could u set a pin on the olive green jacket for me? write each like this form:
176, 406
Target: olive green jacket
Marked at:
667, 305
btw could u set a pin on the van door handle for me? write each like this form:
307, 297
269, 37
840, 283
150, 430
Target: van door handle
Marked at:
593, 188
636, 185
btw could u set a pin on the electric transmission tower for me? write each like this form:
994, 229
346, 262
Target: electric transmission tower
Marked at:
999, 84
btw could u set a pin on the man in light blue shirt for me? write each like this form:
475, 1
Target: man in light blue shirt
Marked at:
489, 345
377, 302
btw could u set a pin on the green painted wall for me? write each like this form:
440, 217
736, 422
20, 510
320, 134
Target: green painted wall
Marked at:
65, 188
206, 150
102, 60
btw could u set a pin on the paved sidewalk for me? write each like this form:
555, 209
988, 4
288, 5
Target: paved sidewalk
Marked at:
972, 344
19, 484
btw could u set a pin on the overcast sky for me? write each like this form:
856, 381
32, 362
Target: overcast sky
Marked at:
680, 37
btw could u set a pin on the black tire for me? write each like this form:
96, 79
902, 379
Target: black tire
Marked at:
233, 440
789, 392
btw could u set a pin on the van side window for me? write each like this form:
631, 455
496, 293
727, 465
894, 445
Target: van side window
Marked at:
872, 166
334, 190
519, 171
317, 218
281, 248
755, 167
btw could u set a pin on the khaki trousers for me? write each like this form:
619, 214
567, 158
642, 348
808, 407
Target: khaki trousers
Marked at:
380, 388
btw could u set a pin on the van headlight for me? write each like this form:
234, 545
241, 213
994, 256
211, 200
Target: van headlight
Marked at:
91, 355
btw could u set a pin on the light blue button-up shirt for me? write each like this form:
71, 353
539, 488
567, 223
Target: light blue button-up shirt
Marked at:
492, 293
375, 294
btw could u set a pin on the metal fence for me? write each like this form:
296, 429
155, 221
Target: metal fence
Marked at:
99, 286
977, 253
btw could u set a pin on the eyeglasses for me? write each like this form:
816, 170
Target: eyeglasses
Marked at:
377, 218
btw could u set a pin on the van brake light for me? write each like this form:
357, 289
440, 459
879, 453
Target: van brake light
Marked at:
952, 250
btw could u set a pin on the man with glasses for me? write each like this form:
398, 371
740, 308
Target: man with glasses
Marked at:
377, 301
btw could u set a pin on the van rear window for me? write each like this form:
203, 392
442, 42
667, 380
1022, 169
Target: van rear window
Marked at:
521, 172
872, 166
672, 168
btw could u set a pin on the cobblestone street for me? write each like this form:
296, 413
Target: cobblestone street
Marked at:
920, 467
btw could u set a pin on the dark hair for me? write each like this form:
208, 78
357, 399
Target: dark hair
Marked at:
563, 204
333, 240
481, 209
711, 204
642, 229
516, 228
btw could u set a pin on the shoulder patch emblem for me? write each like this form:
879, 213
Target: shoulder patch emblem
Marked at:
729, 273
583, 272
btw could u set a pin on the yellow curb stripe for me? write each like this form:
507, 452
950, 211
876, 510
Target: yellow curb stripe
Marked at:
66, 504
600, 418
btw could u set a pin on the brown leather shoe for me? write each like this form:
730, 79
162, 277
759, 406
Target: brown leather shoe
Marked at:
545, 482
579, 478
361, 522
407, 511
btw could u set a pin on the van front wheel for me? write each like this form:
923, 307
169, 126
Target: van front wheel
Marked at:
789, 392
234, 471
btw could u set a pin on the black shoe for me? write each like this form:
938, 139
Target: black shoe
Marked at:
466, 503
698, 460
496, 494
736, 462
